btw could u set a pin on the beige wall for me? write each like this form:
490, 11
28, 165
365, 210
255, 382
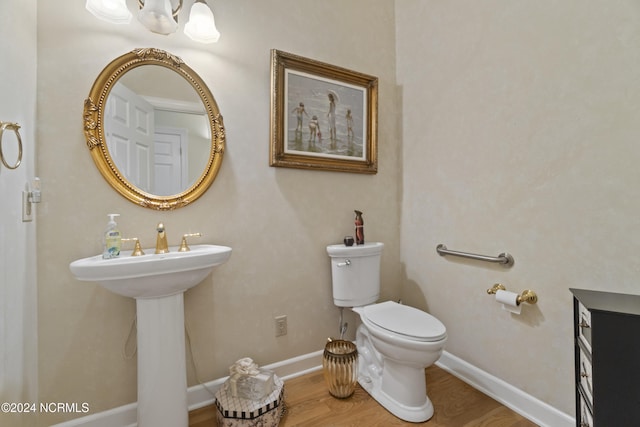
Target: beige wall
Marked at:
520, 133
278, 221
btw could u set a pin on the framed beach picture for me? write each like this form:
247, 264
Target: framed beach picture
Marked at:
322, 116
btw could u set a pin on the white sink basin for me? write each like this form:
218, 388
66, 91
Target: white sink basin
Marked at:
151, 275
157, 282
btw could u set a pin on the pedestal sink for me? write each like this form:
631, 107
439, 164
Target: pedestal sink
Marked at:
157, 282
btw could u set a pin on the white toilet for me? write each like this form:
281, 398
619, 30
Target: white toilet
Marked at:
395, 342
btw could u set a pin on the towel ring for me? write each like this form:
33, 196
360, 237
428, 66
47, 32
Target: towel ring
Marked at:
14, 127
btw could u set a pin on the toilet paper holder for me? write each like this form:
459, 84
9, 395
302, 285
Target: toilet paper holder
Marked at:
527, 295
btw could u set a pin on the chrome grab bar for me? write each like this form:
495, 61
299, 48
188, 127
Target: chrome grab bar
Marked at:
504, 258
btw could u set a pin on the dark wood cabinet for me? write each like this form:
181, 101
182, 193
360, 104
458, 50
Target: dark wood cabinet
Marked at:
607, 358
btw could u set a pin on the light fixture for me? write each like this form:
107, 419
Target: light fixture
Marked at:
201, 26
114, 11
159, 17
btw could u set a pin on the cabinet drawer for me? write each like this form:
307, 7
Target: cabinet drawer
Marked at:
586, 419
584, 325
586, 379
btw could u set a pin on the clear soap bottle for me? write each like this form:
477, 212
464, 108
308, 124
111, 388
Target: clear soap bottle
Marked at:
112, 239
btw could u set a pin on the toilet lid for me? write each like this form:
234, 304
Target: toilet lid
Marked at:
407, 321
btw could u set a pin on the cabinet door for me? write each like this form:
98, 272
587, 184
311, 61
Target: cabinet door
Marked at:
615, 369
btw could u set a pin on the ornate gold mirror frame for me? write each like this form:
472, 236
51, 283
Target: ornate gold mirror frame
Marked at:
94, 119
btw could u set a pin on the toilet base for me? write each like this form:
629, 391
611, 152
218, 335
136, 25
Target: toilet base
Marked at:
413, 414
398, 384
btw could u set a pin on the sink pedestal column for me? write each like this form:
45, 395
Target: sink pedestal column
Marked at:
162, 368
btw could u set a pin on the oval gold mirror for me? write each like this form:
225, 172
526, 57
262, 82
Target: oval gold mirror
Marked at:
154, 129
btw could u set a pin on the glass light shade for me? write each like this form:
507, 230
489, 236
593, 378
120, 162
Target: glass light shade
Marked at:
157, 16
201, 26
114, 11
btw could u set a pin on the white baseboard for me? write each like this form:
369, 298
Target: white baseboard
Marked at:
198, 396
515, 399
203, 395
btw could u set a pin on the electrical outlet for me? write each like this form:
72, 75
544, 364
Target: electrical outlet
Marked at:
281, 325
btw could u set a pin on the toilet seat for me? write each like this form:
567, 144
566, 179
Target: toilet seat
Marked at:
408, 322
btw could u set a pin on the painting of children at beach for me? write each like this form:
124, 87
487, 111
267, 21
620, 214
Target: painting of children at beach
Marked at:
324, 117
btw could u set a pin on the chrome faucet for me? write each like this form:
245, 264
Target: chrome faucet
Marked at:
161, 242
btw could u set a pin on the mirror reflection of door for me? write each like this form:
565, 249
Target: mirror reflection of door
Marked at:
129, 130
153, 158
170, 160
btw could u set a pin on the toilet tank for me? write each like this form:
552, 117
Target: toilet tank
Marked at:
355, 273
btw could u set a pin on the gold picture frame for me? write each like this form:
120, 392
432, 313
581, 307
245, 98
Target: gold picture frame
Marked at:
322, 116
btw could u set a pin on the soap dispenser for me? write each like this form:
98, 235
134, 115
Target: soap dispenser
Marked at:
112, 239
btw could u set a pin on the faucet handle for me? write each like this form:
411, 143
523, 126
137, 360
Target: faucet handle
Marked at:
137, 249
183, 245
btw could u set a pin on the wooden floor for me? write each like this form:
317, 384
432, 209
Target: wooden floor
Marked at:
309, 404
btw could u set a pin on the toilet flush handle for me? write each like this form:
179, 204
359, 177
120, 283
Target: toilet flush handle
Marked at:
346, 263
